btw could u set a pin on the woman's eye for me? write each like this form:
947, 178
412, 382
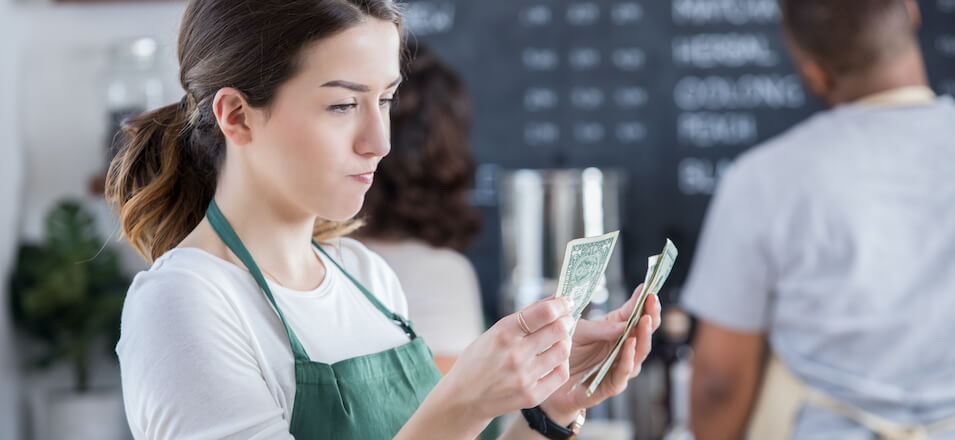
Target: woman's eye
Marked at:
342, 108
386, 102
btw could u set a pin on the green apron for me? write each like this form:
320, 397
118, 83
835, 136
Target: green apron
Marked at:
364, 397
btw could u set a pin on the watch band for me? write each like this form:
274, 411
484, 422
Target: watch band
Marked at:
538, 420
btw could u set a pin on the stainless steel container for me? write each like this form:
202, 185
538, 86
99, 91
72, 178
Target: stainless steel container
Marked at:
541, 210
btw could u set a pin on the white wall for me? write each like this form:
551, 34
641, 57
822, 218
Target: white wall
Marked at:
64, 117
11, 176
54, 127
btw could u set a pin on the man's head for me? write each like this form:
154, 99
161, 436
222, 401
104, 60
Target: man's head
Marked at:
853, 47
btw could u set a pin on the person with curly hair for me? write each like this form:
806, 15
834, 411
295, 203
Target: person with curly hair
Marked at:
417, 215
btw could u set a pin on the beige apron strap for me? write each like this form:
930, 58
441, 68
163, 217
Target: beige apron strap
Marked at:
885, 428
942, 425
781, 396
775, 414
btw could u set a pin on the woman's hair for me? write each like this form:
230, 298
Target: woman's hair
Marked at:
164, 177
421, 187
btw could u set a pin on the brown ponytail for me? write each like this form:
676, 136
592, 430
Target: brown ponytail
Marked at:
160, 181
164, 177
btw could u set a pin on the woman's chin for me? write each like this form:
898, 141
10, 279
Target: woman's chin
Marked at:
341, 213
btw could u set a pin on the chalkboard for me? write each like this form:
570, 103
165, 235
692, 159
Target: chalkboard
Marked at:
669, 91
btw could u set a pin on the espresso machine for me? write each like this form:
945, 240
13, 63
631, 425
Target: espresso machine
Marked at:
540, 210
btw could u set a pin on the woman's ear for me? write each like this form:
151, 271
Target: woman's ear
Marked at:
233, 115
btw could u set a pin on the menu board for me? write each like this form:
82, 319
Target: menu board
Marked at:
671, 92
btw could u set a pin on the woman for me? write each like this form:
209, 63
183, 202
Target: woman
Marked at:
256, 319
417, 215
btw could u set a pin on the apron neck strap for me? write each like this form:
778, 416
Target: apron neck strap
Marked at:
396, 318
231, 239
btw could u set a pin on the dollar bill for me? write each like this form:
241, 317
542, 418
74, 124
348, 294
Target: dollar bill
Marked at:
658, 269
582, 272
651, 266
662, 269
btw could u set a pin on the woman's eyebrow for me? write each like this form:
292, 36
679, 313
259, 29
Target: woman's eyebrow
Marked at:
357, 87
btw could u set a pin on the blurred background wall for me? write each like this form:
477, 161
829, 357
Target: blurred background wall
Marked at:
53, 131
11, 176
62, 105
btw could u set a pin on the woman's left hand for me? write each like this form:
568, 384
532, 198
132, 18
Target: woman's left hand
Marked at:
592, 341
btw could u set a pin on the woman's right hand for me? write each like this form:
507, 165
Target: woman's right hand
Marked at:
508, 368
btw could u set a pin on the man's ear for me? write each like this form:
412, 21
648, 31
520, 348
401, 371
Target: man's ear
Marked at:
820, 82
233, 115
814, 76
915, 15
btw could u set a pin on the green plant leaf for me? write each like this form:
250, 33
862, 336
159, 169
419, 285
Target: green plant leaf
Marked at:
68, 291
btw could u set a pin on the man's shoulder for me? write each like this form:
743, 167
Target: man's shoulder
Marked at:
838, 133
787, 155
797, 141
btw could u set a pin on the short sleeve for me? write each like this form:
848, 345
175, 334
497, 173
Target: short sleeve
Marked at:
730, 277
188, 369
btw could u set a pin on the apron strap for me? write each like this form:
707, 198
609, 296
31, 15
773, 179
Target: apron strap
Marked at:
783, 394
396, 318
231, 239
885, 428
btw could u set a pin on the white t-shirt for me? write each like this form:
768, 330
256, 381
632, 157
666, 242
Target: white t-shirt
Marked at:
204, 355
444, 297
837, 240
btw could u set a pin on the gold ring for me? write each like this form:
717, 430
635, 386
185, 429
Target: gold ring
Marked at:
523, 323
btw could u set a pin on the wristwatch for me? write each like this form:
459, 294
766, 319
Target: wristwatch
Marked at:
538, 421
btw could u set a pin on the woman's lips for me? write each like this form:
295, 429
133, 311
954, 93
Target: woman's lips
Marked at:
365, 178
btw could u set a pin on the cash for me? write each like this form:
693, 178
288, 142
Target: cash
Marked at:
582, 272
658, 269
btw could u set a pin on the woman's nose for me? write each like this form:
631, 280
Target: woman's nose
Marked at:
375, 138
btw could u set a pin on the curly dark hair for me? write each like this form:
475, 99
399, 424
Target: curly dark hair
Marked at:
421, 187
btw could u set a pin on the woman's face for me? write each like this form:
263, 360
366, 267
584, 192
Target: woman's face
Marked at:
328, 126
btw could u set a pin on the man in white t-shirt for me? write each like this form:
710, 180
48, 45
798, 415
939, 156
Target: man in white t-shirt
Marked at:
833, 245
